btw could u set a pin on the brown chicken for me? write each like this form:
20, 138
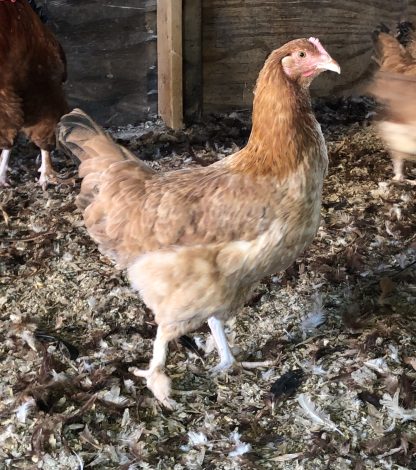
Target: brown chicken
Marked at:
33, 69
196, 240
395, 86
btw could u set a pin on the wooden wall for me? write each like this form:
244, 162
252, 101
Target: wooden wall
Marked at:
111, 52
238, 35
112, 58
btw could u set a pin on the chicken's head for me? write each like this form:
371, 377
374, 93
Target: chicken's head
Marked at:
305, 59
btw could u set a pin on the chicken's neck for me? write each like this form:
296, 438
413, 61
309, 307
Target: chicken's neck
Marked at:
283, 130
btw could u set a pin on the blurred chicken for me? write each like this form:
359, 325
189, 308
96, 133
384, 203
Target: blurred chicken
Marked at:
196, 240
33, 68
398, 125
394, 86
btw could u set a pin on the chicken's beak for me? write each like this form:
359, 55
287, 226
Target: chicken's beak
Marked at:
330, 64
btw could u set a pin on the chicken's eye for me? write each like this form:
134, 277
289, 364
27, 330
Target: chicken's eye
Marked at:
302, 54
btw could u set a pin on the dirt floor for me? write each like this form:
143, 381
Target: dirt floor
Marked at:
340, 324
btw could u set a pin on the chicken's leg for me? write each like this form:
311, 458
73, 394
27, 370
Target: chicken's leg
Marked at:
226, 356
157, 381
398, 163
47, 173
398, 168
5, 155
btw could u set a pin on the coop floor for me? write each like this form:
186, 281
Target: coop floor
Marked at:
344, 314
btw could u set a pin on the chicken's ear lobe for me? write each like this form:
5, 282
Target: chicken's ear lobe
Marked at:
287, 64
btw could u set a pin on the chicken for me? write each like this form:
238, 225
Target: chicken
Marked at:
398, 125
33, 69
195, 241
395, 86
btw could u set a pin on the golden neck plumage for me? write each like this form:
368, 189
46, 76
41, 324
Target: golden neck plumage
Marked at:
282, 125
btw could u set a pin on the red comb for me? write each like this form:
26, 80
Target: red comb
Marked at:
318, 45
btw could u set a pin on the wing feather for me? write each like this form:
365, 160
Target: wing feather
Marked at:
132, 215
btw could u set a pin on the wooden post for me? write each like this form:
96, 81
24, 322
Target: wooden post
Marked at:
169, 57
192, 59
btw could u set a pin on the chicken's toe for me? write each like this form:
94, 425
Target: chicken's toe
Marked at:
158, 383
223, 366
48, 175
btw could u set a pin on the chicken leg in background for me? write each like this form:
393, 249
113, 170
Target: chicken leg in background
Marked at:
33, 69
394, 85
195, 241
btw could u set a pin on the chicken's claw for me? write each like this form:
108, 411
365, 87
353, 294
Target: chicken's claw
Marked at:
159, 384
48, 175
222, 366
53, 178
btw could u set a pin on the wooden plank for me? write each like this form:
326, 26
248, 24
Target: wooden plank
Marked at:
192, 59
169, 59
411, 13
237, 37
111, 52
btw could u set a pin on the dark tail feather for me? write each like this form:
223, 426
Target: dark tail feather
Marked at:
80, 136
381, 28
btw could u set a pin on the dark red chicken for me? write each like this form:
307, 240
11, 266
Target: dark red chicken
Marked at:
32, 71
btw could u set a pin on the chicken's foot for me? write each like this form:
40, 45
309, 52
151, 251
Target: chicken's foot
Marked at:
156, 380
47, 174
398, 163
4, 164
227, 359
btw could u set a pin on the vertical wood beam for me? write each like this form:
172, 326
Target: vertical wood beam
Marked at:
192, 59
169, 58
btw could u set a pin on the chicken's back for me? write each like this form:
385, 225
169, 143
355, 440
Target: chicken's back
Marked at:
392, 56
33, 68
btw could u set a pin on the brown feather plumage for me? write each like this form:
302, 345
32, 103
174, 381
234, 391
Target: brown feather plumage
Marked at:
196, 240
33, 68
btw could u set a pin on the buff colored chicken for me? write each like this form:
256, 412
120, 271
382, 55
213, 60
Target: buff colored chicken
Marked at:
195, 241
395, 86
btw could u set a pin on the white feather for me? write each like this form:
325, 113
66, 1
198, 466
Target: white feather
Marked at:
195, 439
241, 448
22, 411
315, 318
315, 414
394, 410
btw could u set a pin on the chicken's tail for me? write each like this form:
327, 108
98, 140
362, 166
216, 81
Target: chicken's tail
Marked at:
82, 137
102, 160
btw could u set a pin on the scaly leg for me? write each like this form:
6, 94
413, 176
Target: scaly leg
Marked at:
48, 175
226, 356
224, 351
398, 163
398, 169
157, 381
5, 155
